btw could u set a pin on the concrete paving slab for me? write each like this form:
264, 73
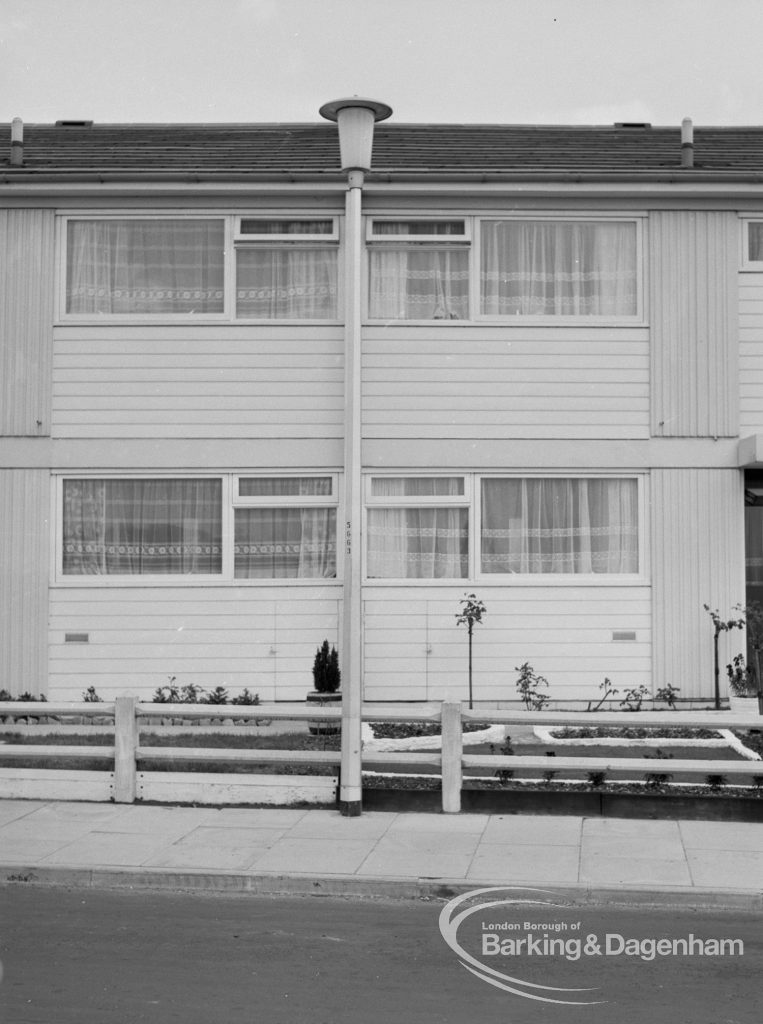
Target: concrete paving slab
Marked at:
108, 848
413, 863
521, 829
657, 848
314, 855
332, 824
155, 819
722, 835
30, 850
449, 824
12, 810
524, 863
36, 828
421, 854
251, 817
629, 827
210, 858
733, 870
90, 814
605, 869
229, 838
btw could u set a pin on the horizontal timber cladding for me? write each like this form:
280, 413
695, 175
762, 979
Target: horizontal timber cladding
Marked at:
750, 353
261, 638
692, 268
505, 382
222, 381
26, 315
697, 529
24, 543
413, 649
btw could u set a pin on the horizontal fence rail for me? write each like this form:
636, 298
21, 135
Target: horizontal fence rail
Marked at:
130, 717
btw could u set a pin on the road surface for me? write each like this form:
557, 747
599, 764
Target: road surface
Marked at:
118, 957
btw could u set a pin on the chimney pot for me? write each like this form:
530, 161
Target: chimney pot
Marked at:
17, 142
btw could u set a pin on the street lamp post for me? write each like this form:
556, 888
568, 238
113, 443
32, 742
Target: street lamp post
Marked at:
355, 119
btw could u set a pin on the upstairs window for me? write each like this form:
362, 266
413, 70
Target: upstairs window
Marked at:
558, 268
287, 269
419, 269
145, 267
754, 248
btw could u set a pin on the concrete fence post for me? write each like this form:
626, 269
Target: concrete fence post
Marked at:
452, 749
125, 745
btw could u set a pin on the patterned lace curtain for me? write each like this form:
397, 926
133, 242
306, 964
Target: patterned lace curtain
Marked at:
275, 283
120, 267
545, 268
560, 526
423, 283
136, 527
285, 543
417, 543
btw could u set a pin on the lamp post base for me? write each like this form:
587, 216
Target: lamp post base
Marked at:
350, 808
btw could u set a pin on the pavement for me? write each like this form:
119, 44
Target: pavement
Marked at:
379, 853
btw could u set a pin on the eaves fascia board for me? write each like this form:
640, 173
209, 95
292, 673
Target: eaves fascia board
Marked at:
693, 182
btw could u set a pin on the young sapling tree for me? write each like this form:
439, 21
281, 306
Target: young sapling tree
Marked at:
720, 626
471, 613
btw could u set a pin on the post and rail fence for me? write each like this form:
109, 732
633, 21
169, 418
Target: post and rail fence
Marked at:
131, 716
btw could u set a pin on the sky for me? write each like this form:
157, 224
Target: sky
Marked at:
461, 61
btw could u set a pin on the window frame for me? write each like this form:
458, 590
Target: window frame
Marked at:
472, 501
747, 264
414, 501
567, 320
565, 579
233, 241
330, 242
472, 241
64, 317
412, 243
230, 502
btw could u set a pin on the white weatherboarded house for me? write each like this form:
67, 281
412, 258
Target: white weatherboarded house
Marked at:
250, 401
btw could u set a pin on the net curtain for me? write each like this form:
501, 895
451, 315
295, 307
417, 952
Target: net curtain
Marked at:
135, 527
145, 266
416, 543
560, 526
285, 542
561, 269
422, 283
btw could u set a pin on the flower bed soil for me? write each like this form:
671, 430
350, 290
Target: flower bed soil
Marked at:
632, 733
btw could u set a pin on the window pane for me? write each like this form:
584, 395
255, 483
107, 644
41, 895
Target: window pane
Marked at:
286, 227
136, 527
286, 284
285, 543
560, 526
418, 227
123, 267
558, 269
271, 486
384, 486
419, 284
755, 241
418, 543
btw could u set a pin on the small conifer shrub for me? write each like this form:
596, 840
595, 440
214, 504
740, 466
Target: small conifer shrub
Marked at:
326, 674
